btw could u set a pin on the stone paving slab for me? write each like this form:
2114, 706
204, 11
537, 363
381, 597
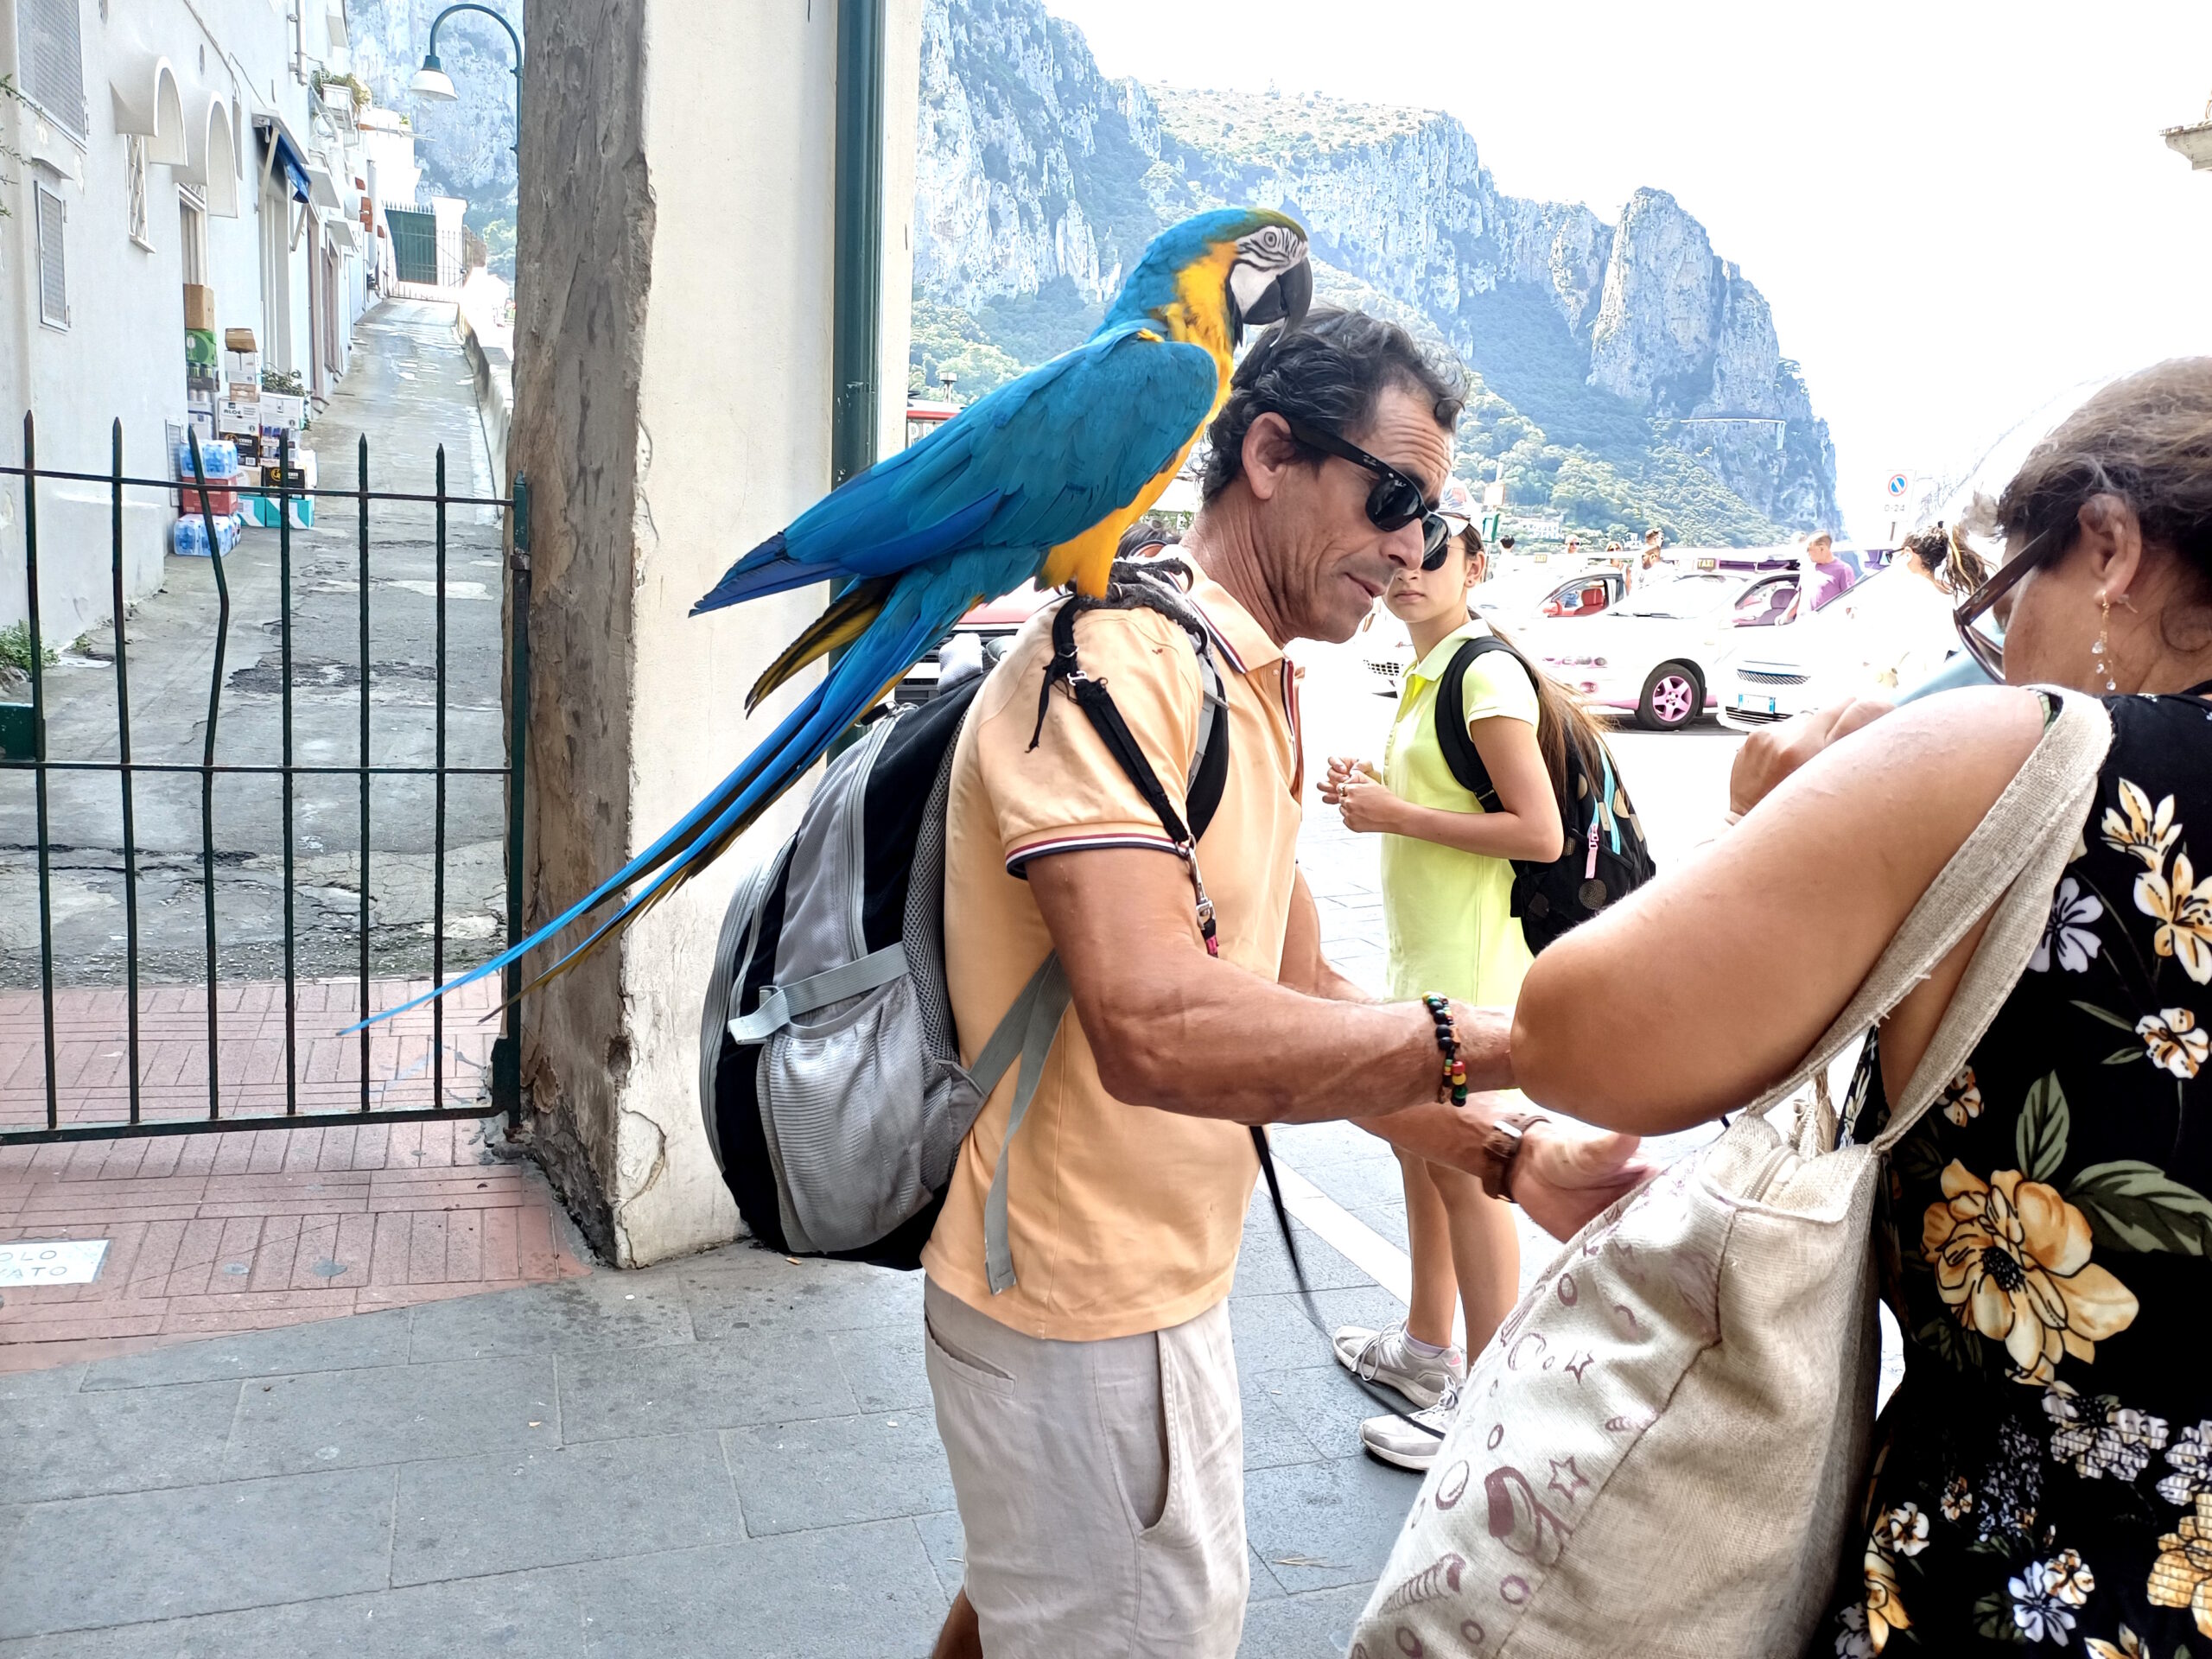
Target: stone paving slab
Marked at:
731, 1455
455, 1517
89, 1562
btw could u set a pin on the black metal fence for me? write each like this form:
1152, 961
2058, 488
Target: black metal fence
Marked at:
249, 1050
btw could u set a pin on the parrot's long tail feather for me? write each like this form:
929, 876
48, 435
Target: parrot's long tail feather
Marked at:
703, 833
766, 570
848, 618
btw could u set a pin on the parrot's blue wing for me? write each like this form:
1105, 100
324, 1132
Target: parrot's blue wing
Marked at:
967, 513
1034, 464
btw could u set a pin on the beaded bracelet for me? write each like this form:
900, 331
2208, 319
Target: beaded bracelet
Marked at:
1453, 1088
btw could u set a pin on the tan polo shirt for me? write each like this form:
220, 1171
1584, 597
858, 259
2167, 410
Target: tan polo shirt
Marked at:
1120, 1218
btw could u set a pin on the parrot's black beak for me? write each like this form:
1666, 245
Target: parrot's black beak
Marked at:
1286, 300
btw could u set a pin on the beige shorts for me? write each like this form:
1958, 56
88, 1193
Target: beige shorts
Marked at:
1100, 1485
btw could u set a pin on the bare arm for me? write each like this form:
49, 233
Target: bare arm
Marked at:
1561, 1178
1175, 1028
1719, 976
1526, 825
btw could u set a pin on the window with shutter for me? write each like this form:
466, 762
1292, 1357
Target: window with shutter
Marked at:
53, 265
135, 187
50, 56
191, 235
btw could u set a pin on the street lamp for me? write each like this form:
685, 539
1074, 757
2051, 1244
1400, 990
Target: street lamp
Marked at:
431, 80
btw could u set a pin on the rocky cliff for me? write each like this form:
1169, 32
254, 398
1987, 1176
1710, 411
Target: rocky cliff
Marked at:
465, 147
1608, 353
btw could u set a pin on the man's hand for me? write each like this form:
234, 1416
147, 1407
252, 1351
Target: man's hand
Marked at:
1562, 1178
1771, 753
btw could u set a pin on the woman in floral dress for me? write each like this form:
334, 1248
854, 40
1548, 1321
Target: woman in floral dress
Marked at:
2042, 1476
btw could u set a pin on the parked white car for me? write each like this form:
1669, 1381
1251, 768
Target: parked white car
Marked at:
1889, 632
1515, 603
1654, 655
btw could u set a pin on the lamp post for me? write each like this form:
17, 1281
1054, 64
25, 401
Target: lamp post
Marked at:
431, 80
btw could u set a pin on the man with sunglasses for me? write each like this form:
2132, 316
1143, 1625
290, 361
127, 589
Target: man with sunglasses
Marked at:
1089, 1407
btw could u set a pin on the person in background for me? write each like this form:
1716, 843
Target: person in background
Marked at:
1912, 633
1650, 565
1822, 576
1447, 892
1145, 532
1505, 544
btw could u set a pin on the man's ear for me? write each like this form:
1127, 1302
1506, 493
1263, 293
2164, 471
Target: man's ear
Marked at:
2111, 539
1269, 452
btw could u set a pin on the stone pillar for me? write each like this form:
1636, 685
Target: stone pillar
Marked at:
672, 380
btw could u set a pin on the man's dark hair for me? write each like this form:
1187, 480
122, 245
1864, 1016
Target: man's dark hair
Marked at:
1332, 371
1505, 542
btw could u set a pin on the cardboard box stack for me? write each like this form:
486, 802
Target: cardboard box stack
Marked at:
219, 460
202, 372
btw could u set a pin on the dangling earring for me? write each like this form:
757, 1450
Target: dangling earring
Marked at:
2101, 653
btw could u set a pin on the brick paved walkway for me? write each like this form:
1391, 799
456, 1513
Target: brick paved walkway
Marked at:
249, 1229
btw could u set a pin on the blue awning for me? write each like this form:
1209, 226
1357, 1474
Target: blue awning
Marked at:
290, 156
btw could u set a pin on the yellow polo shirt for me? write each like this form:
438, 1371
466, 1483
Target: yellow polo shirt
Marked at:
1120, 1218
1450, 914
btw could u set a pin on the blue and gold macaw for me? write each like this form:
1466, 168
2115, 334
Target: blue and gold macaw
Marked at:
1037, 480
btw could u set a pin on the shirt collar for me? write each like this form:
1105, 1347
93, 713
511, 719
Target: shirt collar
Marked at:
1244, 644
1431, 666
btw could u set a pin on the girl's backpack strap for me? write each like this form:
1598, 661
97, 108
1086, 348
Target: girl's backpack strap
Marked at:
1459, 753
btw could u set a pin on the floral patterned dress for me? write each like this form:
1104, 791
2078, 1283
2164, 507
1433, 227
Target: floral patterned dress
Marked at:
2042, 1476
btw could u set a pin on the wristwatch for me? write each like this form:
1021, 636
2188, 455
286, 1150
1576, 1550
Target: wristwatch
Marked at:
1502, 1142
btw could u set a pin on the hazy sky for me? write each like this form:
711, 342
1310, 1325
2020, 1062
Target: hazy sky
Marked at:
1955, 210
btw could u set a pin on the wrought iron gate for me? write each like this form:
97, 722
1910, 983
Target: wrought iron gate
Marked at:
256, 1040
414, 246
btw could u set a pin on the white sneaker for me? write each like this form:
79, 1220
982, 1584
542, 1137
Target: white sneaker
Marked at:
1395, 1440
1385, 1356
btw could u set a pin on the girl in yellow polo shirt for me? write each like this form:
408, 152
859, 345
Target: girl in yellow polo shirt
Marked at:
1447, 884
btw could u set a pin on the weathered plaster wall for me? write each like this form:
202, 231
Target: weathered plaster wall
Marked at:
587, 219
673, 347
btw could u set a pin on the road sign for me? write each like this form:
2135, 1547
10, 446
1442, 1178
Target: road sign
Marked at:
1494, 495
1899, 488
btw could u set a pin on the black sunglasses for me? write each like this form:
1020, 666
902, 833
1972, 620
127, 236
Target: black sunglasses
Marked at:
1395, 502
1987, 646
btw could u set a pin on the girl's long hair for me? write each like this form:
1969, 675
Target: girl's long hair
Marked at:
1561, 717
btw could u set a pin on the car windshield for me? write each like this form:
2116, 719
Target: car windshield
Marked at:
1766, 603
1683, 597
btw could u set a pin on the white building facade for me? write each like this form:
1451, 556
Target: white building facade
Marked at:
164, 145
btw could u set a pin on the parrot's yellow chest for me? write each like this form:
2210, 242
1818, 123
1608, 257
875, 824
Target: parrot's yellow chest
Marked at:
1199, 317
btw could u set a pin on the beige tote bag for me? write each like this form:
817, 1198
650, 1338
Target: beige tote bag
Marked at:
1662, 1450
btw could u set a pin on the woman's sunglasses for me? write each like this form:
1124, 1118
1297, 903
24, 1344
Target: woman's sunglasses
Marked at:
1981, 631
1395, 502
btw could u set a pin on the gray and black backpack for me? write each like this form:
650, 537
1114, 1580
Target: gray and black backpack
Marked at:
830, 1072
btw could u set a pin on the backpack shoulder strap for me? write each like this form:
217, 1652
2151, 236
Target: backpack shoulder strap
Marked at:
1028, 1028
1460, 752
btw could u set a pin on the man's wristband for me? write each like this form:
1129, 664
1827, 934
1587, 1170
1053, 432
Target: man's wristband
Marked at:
1502, 1142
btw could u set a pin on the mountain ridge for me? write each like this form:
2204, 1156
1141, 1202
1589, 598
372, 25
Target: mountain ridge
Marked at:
1628, 374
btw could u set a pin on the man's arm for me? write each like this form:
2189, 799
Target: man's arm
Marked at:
1561, 1178
1175, 1028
